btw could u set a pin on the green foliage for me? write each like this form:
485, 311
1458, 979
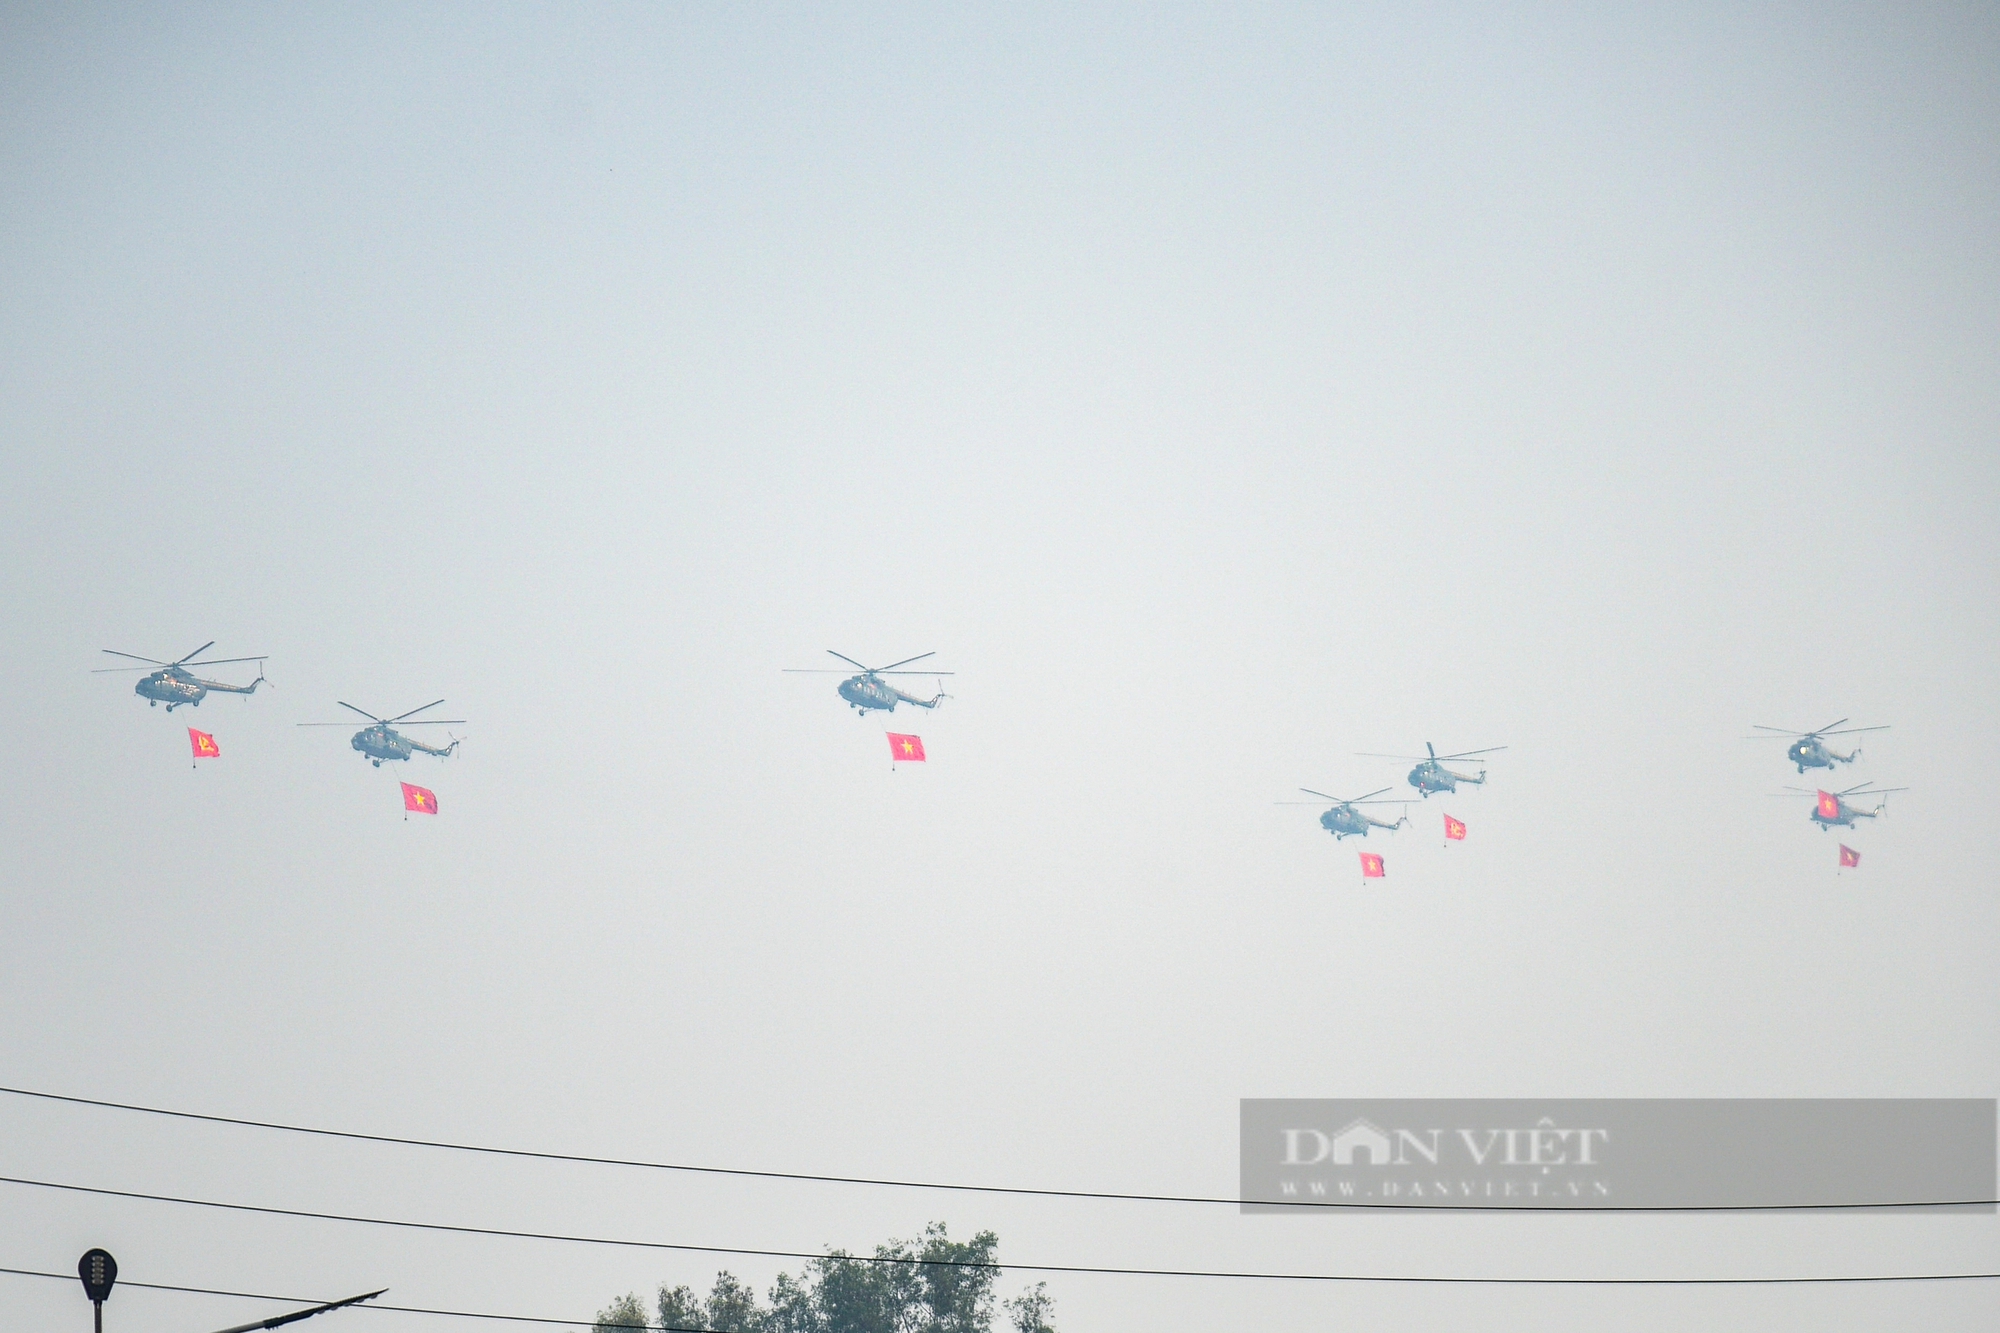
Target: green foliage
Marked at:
623, 1313
1031, 1309
931, 1284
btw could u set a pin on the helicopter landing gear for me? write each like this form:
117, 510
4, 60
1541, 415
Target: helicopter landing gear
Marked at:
376, 762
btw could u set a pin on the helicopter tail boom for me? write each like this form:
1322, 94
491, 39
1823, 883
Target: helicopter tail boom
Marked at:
217, 687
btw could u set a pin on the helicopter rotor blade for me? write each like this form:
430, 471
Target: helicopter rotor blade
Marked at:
224, 661
351, 708
1759, 726
1467, 754
432, 722
1370, 796
905, 662
1322, 795
1851, 731
414, 711
914, 673
845, 658
1367, 754
1821, 731
196, 653
134, 656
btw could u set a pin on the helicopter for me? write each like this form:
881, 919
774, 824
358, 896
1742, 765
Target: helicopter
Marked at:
382, 741
174, 684
1808, 748
869, 691
1345, 820
1431, 776
1830, 808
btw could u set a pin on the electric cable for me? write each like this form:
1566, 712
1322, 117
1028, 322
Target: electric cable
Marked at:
1029, 1191
1103, 1270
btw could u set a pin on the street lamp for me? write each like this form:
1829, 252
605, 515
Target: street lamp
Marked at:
99, 1270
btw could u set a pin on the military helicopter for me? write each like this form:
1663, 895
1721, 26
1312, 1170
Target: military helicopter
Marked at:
1345, 820
1430, 775
1830, 808
382, 740
869, 691
1808, 749
174, 684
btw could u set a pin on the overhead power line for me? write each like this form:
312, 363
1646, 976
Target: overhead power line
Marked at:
903, 1261
1345, 1205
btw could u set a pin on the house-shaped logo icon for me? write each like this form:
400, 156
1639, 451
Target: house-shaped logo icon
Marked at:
1362, 1137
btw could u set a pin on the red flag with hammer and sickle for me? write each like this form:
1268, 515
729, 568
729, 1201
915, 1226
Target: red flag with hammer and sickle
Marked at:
203, 744
1454, 829
1849, 858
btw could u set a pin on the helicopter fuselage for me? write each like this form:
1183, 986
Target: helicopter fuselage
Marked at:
1843, 817
1344, 821
1431, 776
381, 742
171, 688
1811, 753
872, 692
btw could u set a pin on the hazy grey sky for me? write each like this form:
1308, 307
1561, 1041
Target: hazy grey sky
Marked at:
1219, 391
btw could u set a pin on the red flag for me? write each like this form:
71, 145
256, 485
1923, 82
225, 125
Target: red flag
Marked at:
203, 744
1849, 858
1371, 866
420, 799
1454, 829
907, 748
1829, 806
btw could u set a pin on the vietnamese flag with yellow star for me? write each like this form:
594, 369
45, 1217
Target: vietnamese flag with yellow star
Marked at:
1371, 866
1454, 829
1849, 858
203, 744
1829, 805
420, 799
906, 749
